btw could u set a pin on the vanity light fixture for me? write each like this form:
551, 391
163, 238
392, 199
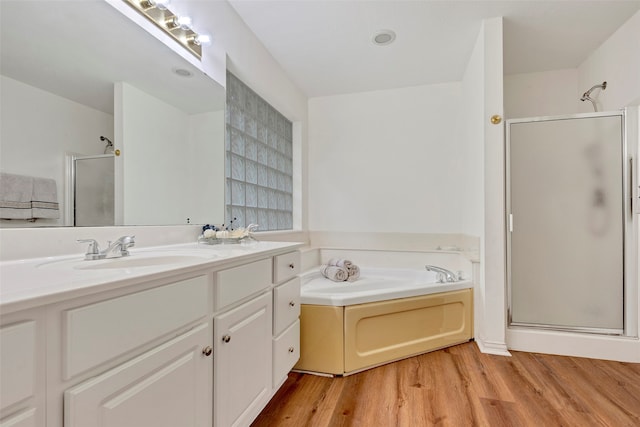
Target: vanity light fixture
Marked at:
178, 27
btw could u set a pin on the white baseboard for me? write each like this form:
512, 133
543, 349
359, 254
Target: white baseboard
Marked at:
493, 347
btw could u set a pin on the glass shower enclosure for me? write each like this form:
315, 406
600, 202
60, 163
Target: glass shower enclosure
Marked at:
93, 192
566, 222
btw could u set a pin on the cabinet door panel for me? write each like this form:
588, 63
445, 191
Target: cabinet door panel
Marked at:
99, 332
165, 387
286, 305
242, 362
286, 266
17, 363
23, 419
286, 352
236, 283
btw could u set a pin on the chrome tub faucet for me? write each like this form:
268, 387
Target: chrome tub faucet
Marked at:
444, 275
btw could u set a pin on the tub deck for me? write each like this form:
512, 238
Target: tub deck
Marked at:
374, 284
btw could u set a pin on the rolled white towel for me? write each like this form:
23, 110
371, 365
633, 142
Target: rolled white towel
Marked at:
332, 272
354, 273
339, 262
352, 269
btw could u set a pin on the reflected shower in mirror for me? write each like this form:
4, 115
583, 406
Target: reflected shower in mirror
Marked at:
87, 72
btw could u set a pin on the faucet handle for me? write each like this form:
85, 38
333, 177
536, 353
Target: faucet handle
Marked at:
93, 251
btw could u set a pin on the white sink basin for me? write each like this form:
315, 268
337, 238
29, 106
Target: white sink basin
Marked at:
132, 261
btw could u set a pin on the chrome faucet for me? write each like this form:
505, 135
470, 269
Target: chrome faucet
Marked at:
117, 249
444, 275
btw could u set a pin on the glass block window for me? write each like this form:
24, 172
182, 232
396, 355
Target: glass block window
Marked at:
259, 161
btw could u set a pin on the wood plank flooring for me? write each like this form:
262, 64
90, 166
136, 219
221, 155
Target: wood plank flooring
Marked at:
459, 386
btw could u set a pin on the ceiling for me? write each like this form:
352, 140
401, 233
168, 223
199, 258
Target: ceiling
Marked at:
325, 45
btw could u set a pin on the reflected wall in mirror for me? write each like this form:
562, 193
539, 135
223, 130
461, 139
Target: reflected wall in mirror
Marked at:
72, 72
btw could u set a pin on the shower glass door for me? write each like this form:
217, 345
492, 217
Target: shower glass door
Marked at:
94, 190
566, 222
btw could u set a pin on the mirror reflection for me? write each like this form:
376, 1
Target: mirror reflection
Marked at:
128, 129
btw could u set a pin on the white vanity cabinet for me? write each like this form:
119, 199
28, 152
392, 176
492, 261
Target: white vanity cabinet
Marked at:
22, 370
207, 345
286, 323
139, 359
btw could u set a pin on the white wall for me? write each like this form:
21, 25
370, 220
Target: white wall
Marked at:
473, 116
386, 161
616, 61
557, 92
545, 93
37, 129
471, 156
493, 251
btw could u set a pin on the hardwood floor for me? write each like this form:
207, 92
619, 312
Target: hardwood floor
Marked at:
459, 386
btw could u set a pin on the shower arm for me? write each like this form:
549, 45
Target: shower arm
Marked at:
587, 95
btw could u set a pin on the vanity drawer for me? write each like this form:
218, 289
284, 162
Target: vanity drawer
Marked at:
99, 332
237, 283
286, 305
286, 266
286, 352
17, 363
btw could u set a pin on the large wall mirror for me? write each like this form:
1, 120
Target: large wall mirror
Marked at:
75, 71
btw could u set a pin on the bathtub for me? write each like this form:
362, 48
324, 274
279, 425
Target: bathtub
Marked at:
386, 315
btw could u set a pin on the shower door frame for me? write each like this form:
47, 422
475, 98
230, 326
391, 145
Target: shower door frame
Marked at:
70, 184
629, 273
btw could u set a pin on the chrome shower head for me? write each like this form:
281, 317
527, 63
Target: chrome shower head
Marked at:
104, 138
587, 95
108, 149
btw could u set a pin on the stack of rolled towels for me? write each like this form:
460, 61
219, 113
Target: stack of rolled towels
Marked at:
340, 270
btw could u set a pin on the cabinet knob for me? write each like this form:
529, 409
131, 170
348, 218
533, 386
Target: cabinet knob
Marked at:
291, 349
292, 266
207, 351
292, 304
226, 338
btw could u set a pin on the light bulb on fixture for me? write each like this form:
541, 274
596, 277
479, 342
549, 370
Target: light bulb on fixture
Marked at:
200, 39
171, 22
184, 22
160, 4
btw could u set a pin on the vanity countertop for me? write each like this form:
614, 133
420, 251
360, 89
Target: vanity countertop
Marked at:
37, 281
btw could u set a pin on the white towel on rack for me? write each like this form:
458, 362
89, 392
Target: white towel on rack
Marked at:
44, 201
15, 196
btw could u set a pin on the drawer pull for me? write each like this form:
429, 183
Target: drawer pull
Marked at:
207, 351
292, 304
291, 349
292, 266
226, 338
